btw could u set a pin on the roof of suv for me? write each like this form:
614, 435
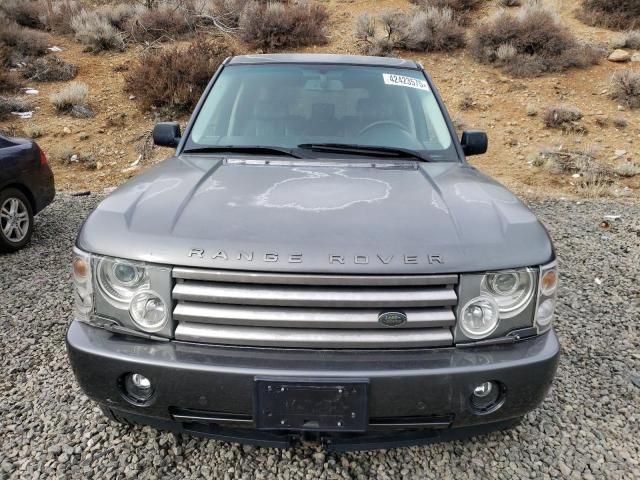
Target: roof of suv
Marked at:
323, 58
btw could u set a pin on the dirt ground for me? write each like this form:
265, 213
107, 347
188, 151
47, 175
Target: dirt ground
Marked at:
499, 106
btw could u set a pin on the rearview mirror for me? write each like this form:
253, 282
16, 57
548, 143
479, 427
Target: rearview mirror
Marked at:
166, 134
474, 142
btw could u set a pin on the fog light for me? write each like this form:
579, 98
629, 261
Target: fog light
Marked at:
486, 397
137, 387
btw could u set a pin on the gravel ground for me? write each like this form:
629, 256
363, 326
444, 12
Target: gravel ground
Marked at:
587, 428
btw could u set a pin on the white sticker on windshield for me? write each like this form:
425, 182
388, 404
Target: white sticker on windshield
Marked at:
393, 79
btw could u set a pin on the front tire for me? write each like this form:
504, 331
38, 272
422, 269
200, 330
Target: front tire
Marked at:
16, 220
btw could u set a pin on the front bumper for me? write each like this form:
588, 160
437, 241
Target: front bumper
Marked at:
415, 396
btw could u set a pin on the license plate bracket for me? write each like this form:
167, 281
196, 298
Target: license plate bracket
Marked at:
311, 404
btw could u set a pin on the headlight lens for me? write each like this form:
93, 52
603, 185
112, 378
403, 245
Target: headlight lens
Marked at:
511, 290
119, 279
148, 311
479, 317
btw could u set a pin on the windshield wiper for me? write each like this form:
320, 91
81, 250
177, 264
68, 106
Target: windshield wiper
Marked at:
355, 149
249, 149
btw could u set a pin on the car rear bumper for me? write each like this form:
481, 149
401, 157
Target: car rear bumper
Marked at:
414, 396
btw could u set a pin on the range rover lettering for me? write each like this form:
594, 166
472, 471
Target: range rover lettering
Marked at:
317, 262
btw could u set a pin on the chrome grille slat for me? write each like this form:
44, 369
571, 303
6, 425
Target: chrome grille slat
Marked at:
219, 314
300, 296
230, 276
312, 311
313, 338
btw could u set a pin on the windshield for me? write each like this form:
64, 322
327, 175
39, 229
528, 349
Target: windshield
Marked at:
290, 105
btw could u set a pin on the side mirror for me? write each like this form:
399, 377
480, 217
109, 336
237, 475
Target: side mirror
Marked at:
166, 134
474, 142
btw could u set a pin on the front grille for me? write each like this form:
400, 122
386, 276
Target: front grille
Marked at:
312, 311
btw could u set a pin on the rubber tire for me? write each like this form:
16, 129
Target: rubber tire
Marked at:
7, 245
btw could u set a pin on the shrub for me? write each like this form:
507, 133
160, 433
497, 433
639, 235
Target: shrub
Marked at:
433, 29
13, 104
563, 118
28, 13
510, 3
50, 69
532, 43
96, 32
392, 22
226, 13
616, 14
21, 41
165, 23
627, 169
73, 95
34, 131
183, 72
455, 5
620, 122
276, 25
64, 12
625, 88
118, 15
631, 40
9, 82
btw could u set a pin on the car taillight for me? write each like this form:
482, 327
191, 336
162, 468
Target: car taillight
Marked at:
43, 158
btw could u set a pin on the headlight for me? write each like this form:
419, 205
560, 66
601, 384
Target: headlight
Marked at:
511, 290
133, 295
148, 311
479, 317
119, 279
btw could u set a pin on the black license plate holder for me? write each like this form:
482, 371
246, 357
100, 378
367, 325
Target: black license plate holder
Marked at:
327, 405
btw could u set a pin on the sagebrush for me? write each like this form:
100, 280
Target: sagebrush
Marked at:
616, 14
625, 88
534, 42
28, 13
429, 29
164, 23
73, 95
21, 41
49, 69
563, 118
96, 32
182, 72
277, 25
11, 104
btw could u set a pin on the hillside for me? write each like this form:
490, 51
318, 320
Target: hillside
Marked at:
480, 96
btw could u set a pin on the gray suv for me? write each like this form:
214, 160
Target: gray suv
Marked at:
317, 262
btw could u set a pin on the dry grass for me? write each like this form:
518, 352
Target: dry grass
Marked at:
620, 122
534, 42
183, 72
22, 42
73, 95
625, 88
510, 3
96, 32
278, 25
34, 131
50, 69
615, 14
63, 13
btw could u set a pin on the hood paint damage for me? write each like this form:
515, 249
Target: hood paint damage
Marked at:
317, 216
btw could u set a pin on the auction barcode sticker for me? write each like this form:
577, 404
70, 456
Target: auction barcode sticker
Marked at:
401, 80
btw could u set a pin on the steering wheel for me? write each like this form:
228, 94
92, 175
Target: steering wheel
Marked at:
392, 123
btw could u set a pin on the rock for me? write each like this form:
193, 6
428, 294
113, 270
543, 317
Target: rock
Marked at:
80, 111
83, 135
74, 158
66, 130
635, 57
619, 56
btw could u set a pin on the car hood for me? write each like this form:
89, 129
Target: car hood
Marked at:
315, 216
